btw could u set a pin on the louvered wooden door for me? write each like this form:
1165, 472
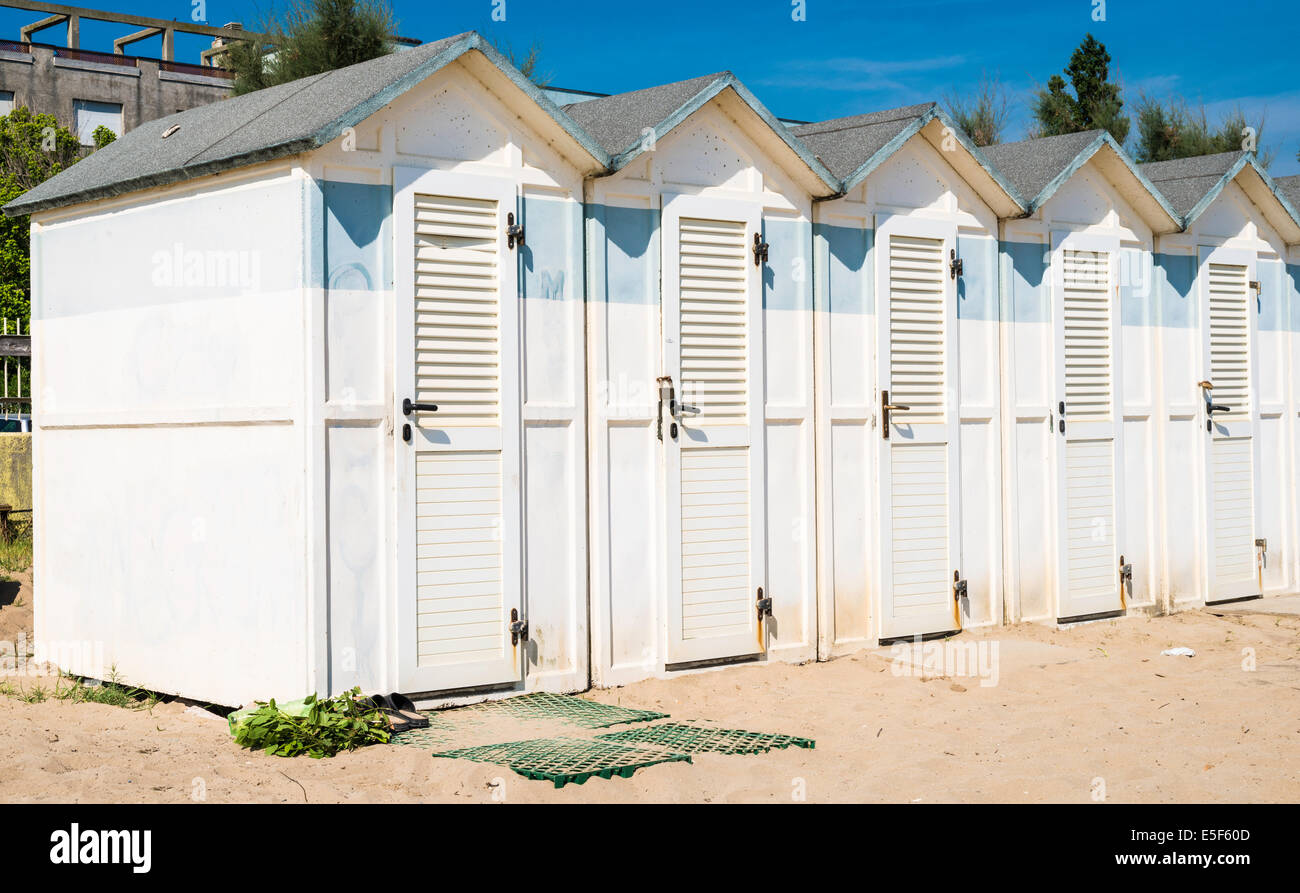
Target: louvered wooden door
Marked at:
1088, 426
713, 349
919, 460
457, 347
1227, 335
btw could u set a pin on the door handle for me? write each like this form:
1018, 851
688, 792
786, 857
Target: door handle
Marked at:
669, 393
1212, 408
885, 409
408, 406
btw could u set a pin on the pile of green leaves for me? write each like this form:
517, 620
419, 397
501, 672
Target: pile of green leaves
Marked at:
327, 727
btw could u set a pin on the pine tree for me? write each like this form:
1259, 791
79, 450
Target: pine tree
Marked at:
1095, 102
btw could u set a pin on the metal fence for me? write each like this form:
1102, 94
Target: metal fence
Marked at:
16, 356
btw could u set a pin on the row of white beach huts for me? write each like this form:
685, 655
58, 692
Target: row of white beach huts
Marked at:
709, 387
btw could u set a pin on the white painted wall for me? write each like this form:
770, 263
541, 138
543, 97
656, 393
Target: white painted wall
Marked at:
169, 441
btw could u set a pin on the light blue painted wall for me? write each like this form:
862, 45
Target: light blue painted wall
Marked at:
844, 283
358, 253
1026, 266
1176, 287
552, 251
624, 258
977, 289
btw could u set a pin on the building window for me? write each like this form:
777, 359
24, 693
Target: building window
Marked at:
90, 114
6, 101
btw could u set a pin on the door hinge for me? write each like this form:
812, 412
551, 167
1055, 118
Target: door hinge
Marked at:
518, 628
1254, 283
959, 588
1125, 572
760, 250
514, 231
955, 266
764, 605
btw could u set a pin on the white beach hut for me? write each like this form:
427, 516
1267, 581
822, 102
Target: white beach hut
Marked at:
241, 316
1083, 529
699, 246
1228, 396
907, 366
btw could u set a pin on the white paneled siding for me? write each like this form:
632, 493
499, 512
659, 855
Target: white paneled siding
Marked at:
457, 311
459, 589
916, 327
1088, 336
716, 597
1234, 512
1090, 514
1230, 339
919, 520
714, 309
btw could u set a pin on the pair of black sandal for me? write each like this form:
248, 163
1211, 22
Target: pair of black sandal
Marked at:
399, 711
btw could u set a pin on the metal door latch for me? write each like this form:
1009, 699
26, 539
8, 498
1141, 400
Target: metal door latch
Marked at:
518, 628
1060, 415
760, 250
959, 590
764, 605
955, 266
1125, 572
514, 231
409, 406
885, 409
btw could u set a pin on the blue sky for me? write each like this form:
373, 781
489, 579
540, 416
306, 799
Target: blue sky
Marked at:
847, 58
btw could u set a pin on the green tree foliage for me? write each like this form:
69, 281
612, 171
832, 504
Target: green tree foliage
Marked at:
983, 116
312, 37
33, 148
102, 136
1174, 130
1095, 102
528, 61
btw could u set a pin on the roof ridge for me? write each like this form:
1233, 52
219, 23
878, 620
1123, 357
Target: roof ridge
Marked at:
303, 83
900, 117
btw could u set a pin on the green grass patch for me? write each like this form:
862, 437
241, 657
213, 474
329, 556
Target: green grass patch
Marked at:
80, 691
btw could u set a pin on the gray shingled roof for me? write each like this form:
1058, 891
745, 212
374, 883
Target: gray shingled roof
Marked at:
1290, 187
1185, 181
271, 123
1031, 165
617, 122
845, 144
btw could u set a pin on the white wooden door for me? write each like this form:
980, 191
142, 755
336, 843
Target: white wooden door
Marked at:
714, 459
1088, 425
919, 464
1227, 334
458, 474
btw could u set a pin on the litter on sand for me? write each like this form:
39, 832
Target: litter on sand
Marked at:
1179, 652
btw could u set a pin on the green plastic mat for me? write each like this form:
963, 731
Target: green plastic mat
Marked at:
566, 760
439, 733
565, 708
683, 738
